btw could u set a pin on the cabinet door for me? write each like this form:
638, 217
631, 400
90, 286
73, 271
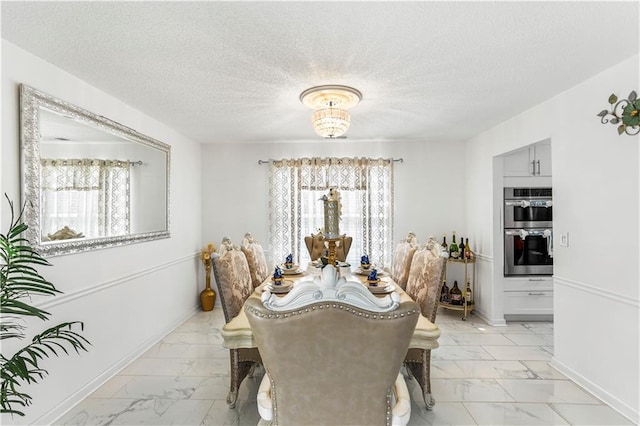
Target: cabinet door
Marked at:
519, 163
542, 159
532, 283
528, 302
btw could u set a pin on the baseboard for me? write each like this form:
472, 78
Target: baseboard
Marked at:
621, 407
53, 415
529, 317
496, 322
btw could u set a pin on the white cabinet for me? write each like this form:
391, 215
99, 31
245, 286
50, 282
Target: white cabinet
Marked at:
528, 283
528, 303
528, 296
534, 160
542, 158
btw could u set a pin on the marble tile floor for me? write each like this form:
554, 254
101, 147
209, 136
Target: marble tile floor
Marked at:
481, 375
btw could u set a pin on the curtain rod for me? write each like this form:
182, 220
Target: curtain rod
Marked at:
131, 162
395, 160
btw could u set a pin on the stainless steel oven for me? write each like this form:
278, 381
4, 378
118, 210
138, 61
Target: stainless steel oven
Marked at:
528, 208
528, 251
528, 231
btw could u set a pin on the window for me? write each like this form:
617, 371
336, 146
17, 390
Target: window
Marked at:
90, 197
366, 190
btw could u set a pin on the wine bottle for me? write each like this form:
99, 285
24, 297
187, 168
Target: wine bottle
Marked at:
461, 249
467, 250
444, 295
468, 295
456, 294
453, 247
445, 247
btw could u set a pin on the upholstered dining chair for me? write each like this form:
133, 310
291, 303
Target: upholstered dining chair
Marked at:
255, 258
316, 248
231, 272
424, 286
330, 363
402, 258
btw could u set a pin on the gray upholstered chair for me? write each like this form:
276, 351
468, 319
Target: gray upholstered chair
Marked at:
316, 248
330, 363
402, 257
424, 286
233, 279
255, 258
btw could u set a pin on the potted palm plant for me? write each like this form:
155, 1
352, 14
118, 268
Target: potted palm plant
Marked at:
19, 281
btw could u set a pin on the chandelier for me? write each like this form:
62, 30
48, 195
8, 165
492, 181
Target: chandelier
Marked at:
330, 118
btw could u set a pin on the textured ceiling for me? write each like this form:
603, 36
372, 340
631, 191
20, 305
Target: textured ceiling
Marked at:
233, 71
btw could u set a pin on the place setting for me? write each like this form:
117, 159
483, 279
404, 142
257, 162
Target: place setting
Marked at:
366, 267
376, 285
278, 284
291, 268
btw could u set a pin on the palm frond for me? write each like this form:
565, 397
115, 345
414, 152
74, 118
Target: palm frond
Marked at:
19, 280
17, 307
24, 365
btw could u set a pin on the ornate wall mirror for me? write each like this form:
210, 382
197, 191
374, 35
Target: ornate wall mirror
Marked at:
88, 182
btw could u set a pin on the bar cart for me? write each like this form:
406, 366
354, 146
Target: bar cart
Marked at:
467, 307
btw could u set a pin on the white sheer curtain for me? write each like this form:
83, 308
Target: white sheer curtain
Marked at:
87, 195
366, 189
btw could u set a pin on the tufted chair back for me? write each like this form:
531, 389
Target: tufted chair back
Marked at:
424, 286
402, 258
425, 279
329, 363
316, 248
231, 271
255, 258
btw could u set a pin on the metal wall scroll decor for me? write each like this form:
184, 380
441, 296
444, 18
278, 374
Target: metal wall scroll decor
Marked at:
624, 112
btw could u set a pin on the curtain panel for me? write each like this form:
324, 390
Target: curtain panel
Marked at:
88, 195
366, 189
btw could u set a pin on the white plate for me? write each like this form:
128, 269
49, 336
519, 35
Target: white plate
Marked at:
285, 287
292, 271
382, 287
360, 271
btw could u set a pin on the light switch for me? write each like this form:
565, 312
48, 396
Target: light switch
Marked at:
564, 239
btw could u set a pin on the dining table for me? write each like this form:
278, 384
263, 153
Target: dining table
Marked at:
237, 334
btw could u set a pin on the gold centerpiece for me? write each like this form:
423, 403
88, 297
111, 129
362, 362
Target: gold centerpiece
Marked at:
332, 243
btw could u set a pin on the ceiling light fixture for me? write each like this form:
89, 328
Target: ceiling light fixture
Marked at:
330, 118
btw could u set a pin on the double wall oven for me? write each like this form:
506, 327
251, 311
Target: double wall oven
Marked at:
528, 231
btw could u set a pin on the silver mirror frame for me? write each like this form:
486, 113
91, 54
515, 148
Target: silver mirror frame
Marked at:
31, 100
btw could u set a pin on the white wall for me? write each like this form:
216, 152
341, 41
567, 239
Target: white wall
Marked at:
429, 185
130, 296
596, 191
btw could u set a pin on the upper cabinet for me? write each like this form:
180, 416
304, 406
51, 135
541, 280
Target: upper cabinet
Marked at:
535, 160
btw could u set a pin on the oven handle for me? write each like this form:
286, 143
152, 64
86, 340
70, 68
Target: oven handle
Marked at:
528, 232
528, 203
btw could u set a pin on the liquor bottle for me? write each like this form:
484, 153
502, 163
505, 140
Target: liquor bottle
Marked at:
461, 249
445, 247
444, 296
453, 247
467, 250
468, 295
456, 294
